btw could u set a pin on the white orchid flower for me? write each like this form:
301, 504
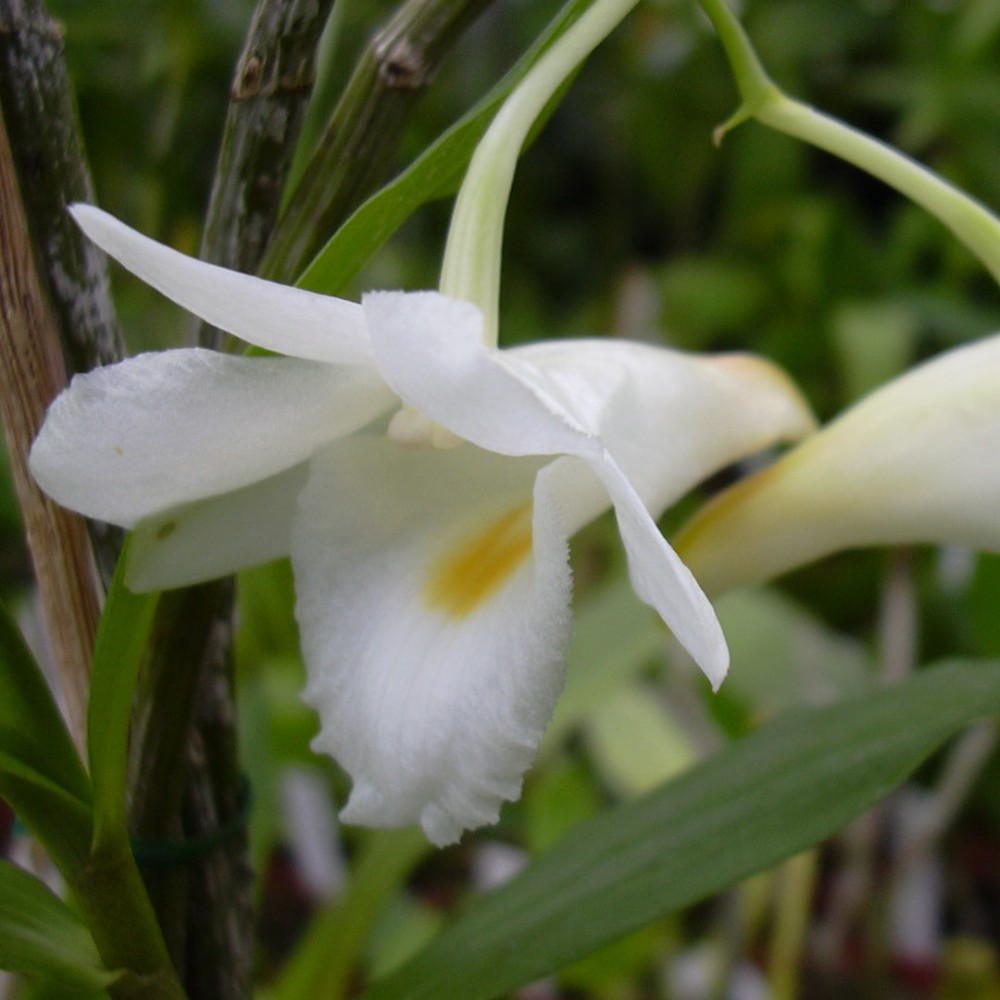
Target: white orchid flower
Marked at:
424, 482
433, 585
914, 462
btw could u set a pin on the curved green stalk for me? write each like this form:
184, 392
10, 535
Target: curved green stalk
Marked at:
471, 268
755, 86
974, 224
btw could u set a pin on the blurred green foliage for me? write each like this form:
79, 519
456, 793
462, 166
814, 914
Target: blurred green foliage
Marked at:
761, 244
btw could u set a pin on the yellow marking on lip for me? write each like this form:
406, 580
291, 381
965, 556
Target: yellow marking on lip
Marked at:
476, 568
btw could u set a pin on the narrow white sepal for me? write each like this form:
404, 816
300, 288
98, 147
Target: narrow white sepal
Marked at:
276, 317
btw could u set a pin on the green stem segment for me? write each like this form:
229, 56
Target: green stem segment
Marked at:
110, 894
974, 224
356, 151
471, 268
324, 963
269, 99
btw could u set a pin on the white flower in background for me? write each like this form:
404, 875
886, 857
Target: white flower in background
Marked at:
425, 487
916, 461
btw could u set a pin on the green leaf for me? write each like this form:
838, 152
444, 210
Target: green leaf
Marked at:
31, 728
41, 775
435, 174
121, 641
40, 935
762, 799
61, 821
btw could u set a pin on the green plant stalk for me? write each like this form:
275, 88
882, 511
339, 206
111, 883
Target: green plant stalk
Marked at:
796, 881
112, 899
969, 220
185, 782
471, 267
122, 638
270, 93
162, 733
107, 886
184, 773
358, 146
330, 953
973, 223
323, 97
436, 173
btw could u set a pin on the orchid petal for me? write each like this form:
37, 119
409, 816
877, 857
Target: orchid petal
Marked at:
276, 317
137, 438
429, 349
215, 537
661, 580
435, 663
914, 462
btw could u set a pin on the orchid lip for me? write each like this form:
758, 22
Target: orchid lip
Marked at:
472, 571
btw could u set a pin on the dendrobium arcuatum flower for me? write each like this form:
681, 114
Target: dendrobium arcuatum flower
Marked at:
914, 462
425, 486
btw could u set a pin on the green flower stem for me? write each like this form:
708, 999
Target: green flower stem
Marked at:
755, 86
184, 782
974, 224
471, 268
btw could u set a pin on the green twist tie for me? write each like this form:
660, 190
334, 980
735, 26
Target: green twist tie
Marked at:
179, 853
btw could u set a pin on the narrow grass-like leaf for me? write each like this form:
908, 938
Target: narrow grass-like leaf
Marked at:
41, 775
118, 653
763, 799
62, 822
435, 174
31, 728
40, 935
